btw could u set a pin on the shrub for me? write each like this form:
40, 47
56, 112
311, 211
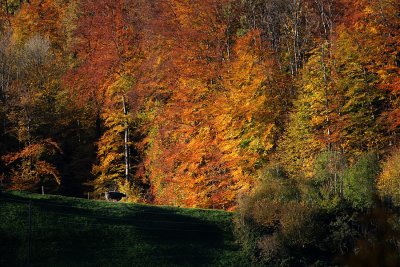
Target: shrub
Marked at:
359, 182
274, 226
389, 178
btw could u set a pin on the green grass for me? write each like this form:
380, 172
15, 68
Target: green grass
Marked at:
78, 232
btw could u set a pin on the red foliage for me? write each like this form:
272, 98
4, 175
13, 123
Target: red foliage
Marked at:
104, 37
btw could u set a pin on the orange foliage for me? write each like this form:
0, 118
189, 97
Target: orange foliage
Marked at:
40, 17
211, 84
376, 27
183, 159
31, 167
103, 42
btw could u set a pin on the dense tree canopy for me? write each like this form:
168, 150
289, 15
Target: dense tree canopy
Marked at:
186, 102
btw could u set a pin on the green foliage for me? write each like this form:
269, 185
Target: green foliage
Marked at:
276, 186
360, 181
325, 187
274, 226
11, 6
335, 215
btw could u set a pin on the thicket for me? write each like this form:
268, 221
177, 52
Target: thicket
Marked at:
338, 217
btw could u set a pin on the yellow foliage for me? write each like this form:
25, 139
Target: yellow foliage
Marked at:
389, 179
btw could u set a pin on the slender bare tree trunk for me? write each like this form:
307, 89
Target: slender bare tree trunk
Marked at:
126, 142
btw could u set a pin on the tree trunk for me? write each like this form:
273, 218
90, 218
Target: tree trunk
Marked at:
126, 142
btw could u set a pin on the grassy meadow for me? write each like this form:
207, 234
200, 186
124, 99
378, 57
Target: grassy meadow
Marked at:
77, 232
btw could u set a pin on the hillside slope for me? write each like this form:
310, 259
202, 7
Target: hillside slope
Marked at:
77, 232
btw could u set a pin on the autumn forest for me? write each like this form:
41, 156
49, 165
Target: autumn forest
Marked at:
287, 111
190, 103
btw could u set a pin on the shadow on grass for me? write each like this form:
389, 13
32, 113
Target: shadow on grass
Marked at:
120, 236
13, 250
